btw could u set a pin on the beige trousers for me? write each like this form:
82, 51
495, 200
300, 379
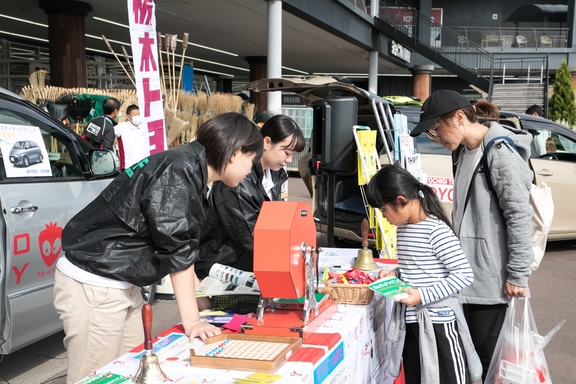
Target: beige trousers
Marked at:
100, 323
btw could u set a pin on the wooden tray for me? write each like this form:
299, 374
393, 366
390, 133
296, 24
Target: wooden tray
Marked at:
246, 352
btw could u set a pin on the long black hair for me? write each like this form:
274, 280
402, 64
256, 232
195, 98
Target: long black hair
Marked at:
392, 181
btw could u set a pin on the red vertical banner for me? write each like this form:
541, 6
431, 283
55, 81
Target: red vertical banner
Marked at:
143, 37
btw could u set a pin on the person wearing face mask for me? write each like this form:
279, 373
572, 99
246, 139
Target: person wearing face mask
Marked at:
227, 236
131, 138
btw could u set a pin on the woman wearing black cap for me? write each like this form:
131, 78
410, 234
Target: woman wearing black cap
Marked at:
493, 226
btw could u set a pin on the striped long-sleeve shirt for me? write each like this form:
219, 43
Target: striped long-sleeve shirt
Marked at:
430, 259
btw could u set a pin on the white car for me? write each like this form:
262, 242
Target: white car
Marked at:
37, 200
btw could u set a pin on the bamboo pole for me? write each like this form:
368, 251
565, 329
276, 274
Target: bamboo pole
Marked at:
184, 46
166, 43
173, 43
162, 80
119, 62
128, 61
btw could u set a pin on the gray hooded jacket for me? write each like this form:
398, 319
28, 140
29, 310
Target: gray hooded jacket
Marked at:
495, 232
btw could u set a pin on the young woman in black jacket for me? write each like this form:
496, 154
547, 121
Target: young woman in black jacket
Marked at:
227, 237
142, 227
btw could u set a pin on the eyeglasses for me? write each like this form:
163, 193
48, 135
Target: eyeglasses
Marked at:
432, 133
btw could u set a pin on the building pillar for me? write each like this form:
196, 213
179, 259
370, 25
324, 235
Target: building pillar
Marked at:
373, 67
225, 85
421, 80
571, 23
258, 71
66, 29
274, 52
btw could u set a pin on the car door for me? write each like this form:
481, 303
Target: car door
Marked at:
36, 205
554, 162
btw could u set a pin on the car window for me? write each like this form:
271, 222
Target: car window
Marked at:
60, 150
550, 142
564, 143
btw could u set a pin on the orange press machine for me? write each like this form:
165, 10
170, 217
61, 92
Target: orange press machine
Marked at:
285, 265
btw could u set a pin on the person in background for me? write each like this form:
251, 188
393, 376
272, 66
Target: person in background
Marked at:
493, 228
100, 131
431, 261
142, 227
131, 138
535, 110
227, 237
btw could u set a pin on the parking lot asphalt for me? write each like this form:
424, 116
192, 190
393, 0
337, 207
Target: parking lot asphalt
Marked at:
553, 299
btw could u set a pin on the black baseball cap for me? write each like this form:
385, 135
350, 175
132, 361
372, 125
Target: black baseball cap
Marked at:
437, 105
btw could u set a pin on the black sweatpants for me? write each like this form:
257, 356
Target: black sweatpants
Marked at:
451, 358
485, 323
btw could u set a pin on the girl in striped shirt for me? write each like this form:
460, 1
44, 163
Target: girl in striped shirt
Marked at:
435, 344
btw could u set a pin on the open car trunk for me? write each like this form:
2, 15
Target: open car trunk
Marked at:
371, 111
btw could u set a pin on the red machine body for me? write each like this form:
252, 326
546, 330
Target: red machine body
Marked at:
280, 232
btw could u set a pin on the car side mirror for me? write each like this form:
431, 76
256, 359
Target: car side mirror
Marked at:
103, 162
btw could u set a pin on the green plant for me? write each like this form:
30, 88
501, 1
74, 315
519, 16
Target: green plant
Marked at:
561, 105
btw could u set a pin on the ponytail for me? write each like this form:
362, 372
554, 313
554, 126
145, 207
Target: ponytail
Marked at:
432, 205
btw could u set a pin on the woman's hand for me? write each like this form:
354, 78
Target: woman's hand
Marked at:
413, 297
514, 291
202, 330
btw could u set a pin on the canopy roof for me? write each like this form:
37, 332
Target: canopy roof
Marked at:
540, 12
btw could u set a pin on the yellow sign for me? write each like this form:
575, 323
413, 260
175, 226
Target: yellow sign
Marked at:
367, 156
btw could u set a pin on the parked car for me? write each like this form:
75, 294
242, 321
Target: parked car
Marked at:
35, 209
25, 152
553, 161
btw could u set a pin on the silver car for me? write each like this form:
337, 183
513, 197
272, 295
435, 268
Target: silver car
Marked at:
23, 153
35, 209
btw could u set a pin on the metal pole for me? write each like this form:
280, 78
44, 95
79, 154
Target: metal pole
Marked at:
274, 52
373, 73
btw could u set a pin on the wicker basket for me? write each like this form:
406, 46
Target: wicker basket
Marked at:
351, 293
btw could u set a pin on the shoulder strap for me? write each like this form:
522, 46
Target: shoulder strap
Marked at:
485, 158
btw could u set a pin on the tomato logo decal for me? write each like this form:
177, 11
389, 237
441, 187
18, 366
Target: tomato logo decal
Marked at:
50, 243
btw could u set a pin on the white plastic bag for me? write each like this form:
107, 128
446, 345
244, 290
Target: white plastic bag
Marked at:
543, 213
519, 354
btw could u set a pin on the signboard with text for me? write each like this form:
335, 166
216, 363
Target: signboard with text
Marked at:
23, 151
142, 21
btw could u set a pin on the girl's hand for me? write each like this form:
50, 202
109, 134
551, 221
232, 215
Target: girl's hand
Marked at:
201, 330
413, 297
385, 273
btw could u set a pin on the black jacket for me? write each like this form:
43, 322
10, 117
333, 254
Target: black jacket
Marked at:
146, 223
227, 238
100, 132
